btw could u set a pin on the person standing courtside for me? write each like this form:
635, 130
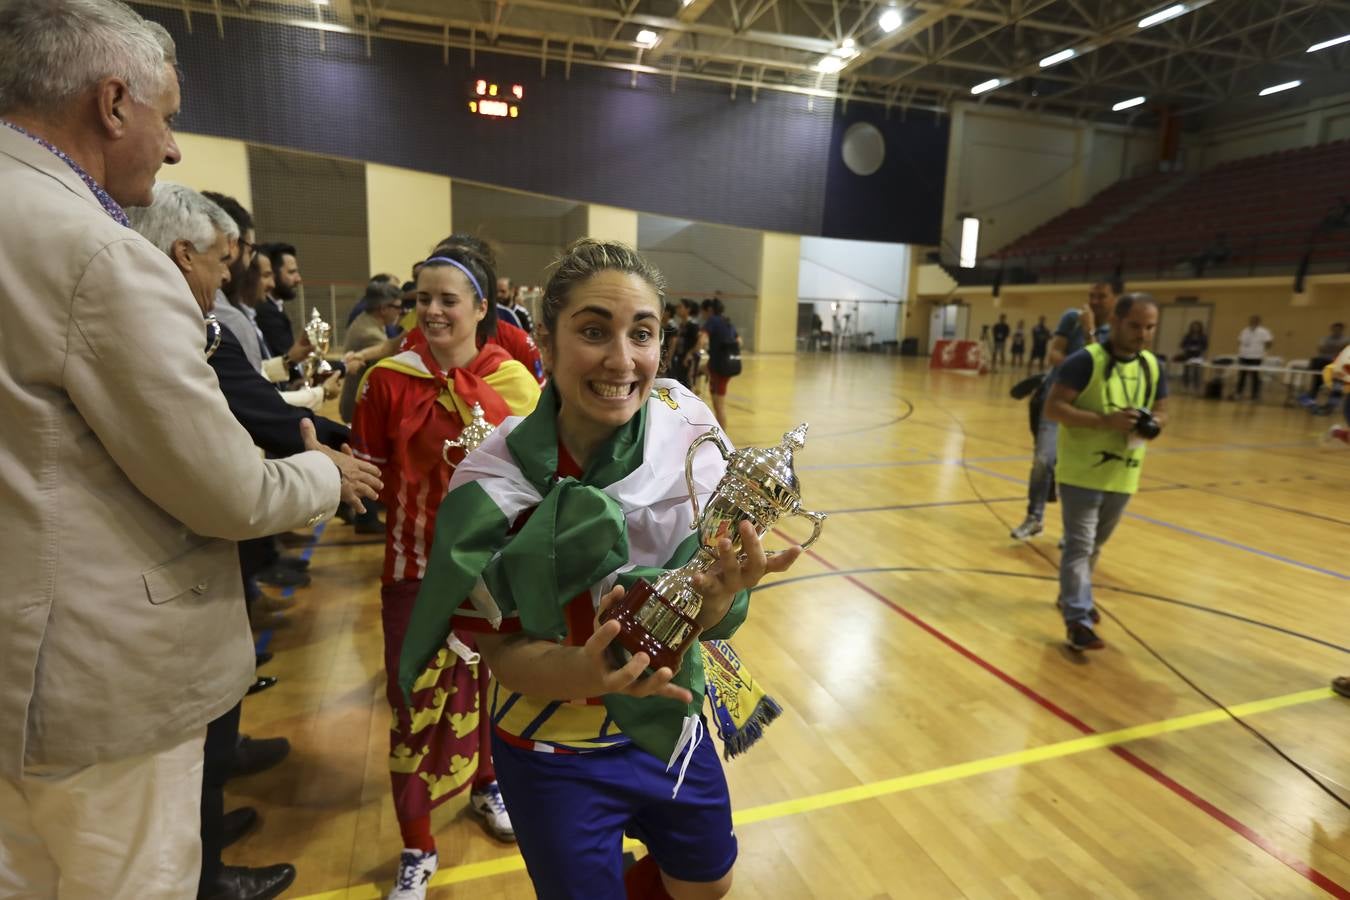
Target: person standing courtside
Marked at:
123, 474
1110, 401
1040, 342
1001, 332
1076, 328
1253, 342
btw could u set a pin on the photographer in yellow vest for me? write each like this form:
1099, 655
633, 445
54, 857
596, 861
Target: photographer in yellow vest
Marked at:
1110, 402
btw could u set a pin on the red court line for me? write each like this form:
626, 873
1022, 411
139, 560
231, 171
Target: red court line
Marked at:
1185, 793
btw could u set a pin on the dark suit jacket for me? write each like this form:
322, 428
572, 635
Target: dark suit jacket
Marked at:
273, 423
276, 328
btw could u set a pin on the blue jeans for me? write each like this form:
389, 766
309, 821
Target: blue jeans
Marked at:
1042, 468
1089, 518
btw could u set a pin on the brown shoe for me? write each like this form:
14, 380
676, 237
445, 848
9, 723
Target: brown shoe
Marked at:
1341, 685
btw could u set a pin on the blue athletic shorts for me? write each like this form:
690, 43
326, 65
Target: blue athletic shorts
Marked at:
570, 812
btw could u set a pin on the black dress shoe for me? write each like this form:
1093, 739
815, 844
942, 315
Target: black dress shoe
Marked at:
298, 563
257, 755
296, 538
283, 577
261, 683
236, 823
262, 658
242, 883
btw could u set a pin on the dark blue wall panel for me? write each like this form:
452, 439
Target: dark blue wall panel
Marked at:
692, 154
900, 202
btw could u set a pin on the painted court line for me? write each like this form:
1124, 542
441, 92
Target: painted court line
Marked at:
1193, 533
901, 784
1244, 547
1292, 862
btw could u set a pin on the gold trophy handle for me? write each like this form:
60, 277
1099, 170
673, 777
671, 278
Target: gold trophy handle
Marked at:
713, 435
817, 518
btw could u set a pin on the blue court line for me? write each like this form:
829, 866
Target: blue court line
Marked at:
934, 504
265, 636
990, 472
1026, 457
1200, 534
1235, 545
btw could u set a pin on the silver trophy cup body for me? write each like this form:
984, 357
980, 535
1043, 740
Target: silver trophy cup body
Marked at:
760, 487
471, 437
317, 368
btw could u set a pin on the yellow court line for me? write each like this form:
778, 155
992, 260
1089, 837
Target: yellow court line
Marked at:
875, 789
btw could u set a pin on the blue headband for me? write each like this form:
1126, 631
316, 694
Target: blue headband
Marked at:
463, 268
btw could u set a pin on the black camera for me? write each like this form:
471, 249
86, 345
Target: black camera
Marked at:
1146, 426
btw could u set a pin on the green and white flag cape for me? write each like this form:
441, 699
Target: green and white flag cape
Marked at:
628, 516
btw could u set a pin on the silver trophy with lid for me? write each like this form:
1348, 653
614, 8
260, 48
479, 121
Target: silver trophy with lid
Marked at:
760, 487
317, 368
471, 437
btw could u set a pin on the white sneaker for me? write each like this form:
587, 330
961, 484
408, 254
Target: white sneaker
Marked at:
1028, 529
488, 805
415, 869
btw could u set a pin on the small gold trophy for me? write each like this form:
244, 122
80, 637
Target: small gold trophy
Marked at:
471, 437
760, 487
317, 368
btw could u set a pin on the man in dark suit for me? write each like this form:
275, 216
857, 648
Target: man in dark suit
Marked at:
273, 423
272, 318
179, 221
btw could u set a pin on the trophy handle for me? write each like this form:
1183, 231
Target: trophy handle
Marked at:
817, 518
713, 435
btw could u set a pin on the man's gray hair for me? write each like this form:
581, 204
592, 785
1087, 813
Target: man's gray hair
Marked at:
179, 213
51, 50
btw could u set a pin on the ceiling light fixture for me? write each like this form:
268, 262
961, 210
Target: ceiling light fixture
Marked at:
890, 20
830, 65
1331, 43
1055, 59
1162, 15
1128, 104
647, 38
1277, 88
985, 86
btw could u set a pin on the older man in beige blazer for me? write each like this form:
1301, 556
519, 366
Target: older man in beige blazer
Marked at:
124, 479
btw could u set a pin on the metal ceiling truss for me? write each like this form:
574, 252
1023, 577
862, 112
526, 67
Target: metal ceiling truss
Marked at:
940, 49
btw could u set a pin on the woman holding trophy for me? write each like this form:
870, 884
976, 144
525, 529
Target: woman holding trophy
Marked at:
544, 528
408, 407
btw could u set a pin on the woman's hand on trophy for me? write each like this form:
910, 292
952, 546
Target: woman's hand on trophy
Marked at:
629, 679
720, 585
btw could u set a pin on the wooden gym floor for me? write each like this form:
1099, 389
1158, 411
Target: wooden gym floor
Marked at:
937, 740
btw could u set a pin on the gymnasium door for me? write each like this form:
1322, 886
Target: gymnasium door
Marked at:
948, 322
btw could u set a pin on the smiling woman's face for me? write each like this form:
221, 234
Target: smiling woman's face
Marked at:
605, 352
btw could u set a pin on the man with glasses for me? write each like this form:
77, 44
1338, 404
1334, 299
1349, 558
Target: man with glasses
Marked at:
1077, 328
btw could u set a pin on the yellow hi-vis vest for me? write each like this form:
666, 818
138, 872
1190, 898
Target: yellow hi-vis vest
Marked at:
1103, 460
